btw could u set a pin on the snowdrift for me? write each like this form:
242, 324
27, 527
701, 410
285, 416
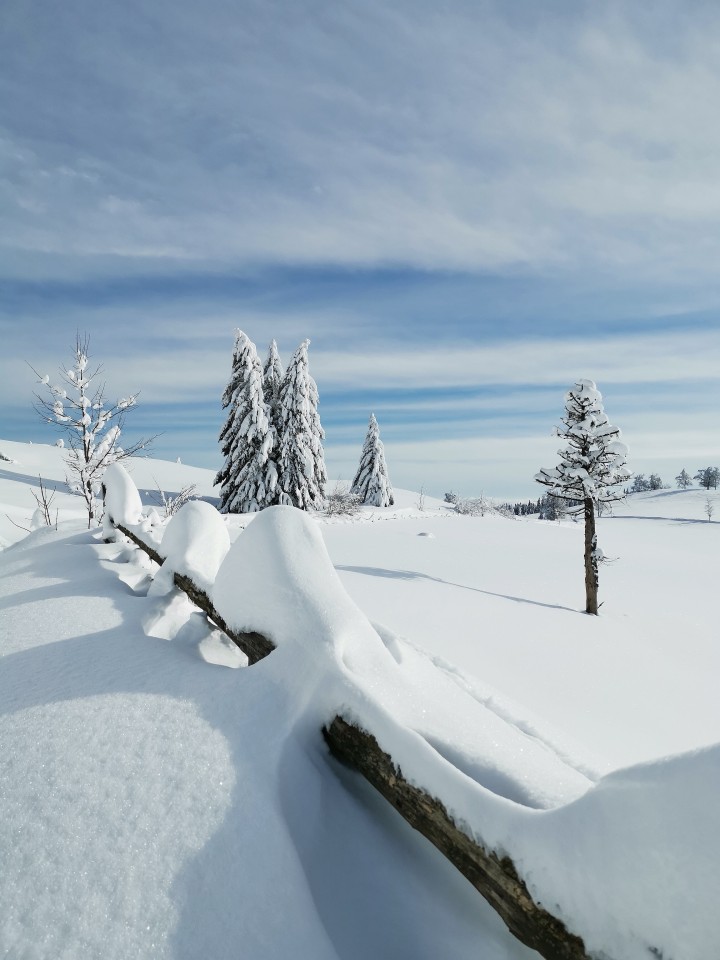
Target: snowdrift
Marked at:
614, 859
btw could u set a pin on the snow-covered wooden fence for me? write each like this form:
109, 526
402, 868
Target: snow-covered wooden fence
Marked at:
495, 877
275, 589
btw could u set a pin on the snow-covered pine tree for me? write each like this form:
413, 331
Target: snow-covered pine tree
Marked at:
300, 460
372, 482
272, 380
683, 479
591, 469
247, 479
272, 376
708, 477
77, 406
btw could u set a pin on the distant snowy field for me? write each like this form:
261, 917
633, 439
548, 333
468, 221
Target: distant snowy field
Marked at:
156, 805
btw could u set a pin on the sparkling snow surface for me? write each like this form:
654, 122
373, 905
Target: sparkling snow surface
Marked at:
155, 804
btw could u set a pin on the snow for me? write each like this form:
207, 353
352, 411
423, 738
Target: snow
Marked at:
122, 500
154, 802
194, 543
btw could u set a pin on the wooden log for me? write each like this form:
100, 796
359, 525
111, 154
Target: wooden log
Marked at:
254, 645
494, 877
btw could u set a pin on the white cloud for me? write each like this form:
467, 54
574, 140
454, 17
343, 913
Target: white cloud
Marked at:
636, 359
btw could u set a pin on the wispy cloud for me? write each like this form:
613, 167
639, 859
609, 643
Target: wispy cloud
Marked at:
464, 205
471, 136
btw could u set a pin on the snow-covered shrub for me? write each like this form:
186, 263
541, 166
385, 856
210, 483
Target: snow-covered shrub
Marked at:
372, 483
472, 506
341, 502
171, 505
77, 406
451, 497
3, 457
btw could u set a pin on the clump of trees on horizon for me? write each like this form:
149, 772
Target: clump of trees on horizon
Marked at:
707, 477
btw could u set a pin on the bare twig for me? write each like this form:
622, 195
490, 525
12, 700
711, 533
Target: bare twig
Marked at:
19, 526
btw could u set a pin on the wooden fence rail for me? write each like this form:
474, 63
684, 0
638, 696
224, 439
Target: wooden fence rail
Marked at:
254, 645
496, 878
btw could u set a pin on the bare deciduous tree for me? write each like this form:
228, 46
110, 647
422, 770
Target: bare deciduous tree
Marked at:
77, 406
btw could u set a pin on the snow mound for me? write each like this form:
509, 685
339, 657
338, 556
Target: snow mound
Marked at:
278, 579
639, 854
122, 500
194, 543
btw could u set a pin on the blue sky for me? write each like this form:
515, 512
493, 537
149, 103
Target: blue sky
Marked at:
464, 205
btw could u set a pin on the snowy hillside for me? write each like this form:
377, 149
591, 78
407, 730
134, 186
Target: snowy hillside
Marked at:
155, 803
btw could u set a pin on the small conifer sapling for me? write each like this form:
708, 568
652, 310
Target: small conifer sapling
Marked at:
372, 482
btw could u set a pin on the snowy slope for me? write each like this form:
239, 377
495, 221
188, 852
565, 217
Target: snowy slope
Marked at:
154, 804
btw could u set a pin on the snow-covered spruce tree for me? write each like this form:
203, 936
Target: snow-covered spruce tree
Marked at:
272, 380
300, 460
272, 376
372, 482
683, 479
247, 479
591, 469
708, 477
78, 408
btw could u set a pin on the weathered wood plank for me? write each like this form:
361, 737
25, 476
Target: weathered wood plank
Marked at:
494, 877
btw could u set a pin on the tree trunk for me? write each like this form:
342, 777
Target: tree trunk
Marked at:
591, 564
492, 875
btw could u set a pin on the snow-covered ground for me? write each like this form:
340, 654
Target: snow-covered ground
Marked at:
155, 803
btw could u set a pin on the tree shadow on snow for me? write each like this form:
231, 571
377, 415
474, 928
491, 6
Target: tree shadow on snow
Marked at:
416, 575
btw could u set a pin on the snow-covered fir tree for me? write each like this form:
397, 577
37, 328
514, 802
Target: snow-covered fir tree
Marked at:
77, 406
591, 471
708, 477
272, 376
372, 482
683, 479
248, 477
300, 459
272, 381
